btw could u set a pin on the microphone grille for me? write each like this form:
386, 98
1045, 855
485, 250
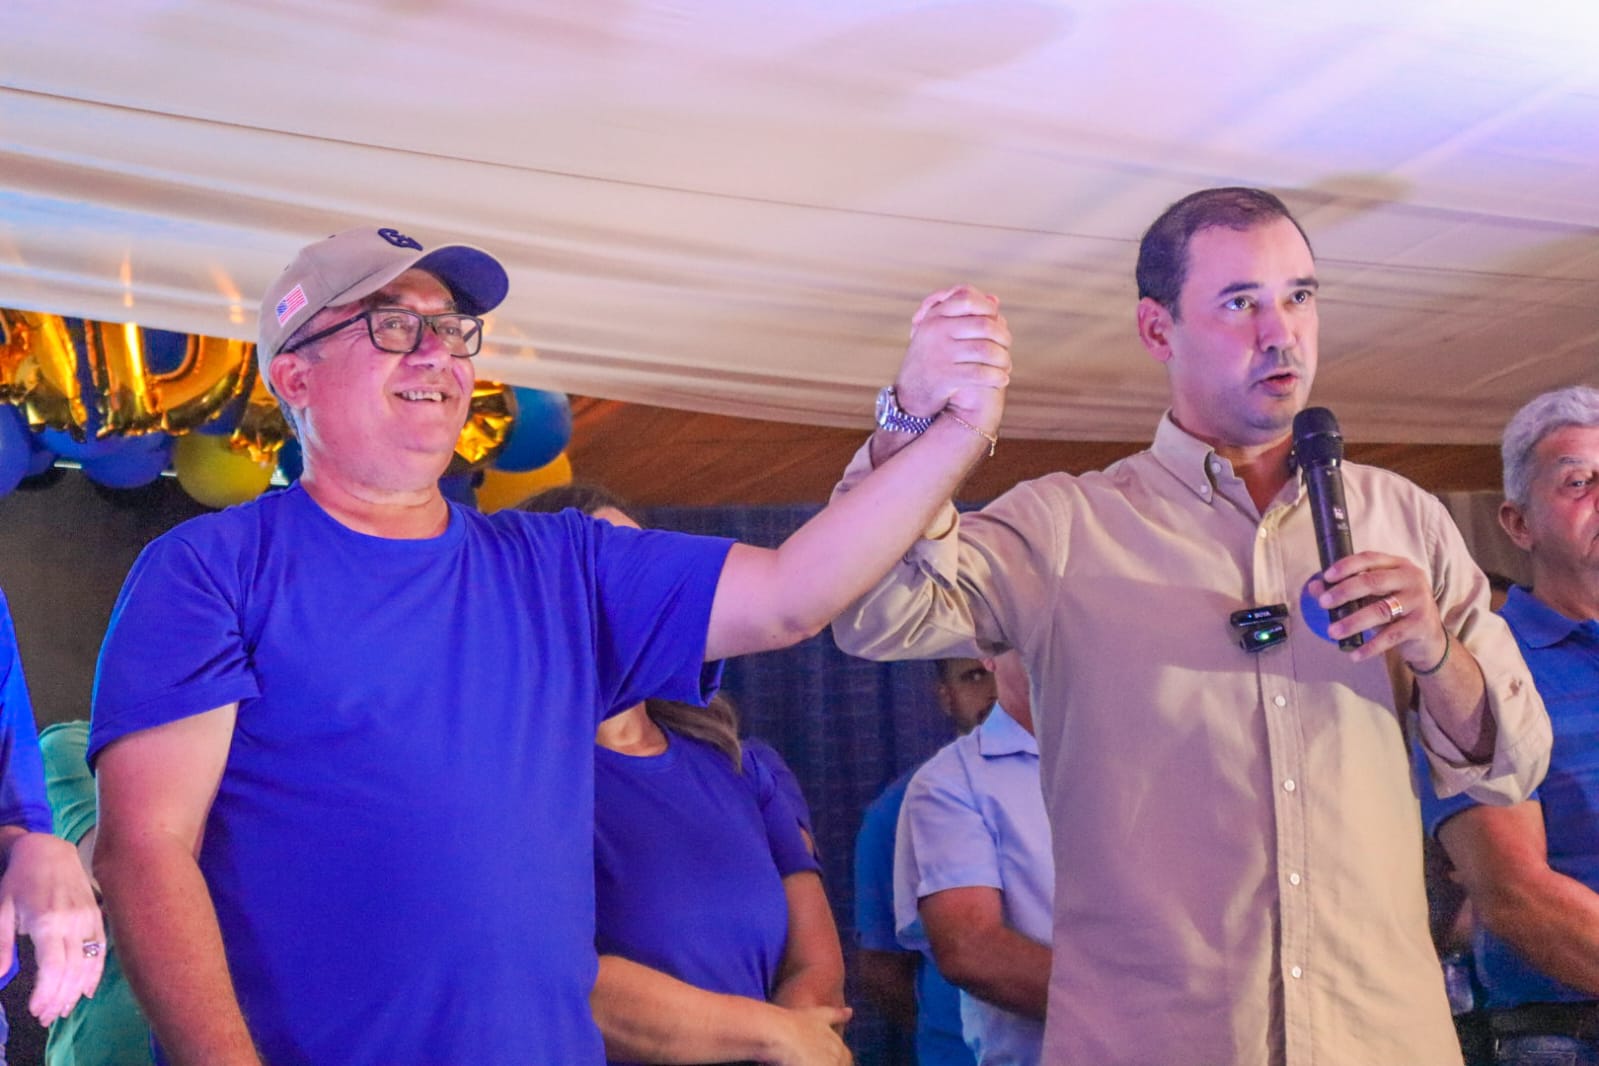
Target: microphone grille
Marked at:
1316, 437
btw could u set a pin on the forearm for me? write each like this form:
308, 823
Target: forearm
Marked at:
1552, 920
1457, 699
812, 971
171, 947
648, 1016
883, 444
999, 966
813, 985
838, 555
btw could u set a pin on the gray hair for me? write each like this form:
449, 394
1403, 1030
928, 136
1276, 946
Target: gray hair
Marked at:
1576, 405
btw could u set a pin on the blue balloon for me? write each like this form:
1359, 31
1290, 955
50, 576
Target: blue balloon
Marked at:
224, 421
541, 432
62, 443
16, 448
291, 461
42, 458
164, 350
133, 466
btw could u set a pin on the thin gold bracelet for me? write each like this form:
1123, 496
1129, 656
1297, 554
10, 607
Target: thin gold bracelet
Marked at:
1439, 665
991, 438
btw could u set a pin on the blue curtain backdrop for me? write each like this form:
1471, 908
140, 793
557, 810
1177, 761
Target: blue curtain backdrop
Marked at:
845, 726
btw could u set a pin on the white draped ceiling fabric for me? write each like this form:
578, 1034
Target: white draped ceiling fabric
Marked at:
733, 206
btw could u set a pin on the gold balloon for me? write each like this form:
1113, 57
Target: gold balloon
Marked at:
262, 428
488, 427
133, 401
39, 371
211, 471
503, 488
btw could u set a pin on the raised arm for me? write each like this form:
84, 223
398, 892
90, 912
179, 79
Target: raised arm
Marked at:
648, 1016
959, 355
976, 951
1502, 857
156, 790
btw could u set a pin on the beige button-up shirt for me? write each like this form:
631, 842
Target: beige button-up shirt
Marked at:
1237, 838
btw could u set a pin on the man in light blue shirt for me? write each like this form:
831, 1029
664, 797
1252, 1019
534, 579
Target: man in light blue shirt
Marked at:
974, 877
903, 983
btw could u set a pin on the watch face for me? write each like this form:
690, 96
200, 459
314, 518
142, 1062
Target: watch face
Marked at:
885, 404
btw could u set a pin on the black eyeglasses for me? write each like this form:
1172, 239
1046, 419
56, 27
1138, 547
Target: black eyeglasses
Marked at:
399, 331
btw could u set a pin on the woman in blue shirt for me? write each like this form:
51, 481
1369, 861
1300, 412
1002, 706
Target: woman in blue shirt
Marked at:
716, 940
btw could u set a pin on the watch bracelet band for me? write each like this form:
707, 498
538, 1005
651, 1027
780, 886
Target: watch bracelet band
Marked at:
894, 418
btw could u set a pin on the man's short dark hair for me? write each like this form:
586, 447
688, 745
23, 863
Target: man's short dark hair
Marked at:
585, 496
949, 670
1163, 253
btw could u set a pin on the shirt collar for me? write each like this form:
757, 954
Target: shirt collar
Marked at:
1000, 735
1197, 466
1536, 623
1186, 457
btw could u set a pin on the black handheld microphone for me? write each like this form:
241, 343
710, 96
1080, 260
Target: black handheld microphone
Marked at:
1319, 449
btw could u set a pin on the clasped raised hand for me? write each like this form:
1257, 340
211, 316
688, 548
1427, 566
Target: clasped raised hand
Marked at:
958, 358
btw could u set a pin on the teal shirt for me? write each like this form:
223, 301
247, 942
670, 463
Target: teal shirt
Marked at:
107, 1030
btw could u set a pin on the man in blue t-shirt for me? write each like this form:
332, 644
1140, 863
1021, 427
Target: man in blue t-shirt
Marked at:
1532, 869
315, 712
903, 984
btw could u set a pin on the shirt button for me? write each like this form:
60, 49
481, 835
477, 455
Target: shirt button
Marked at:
1289, 786
1293, 879
1296, 973
1280, 700
1203, 490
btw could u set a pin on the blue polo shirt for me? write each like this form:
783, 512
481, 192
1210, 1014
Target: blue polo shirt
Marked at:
1563, 656
974, 817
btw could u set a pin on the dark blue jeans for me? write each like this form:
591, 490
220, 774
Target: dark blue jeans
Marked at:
1546, 1051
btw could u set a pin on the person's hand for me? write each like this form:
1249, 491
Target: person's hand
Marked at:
813, 1038
45, 895
1402, 614
958, 358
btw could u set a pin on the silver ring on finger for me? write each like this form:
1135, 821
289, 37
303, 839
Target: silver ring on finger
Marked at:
1393, 607
93, 948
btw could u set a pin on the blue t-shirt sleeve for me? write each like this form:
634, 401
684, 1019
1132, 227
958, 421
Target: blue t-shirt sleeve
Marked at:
22, 795
175, 646
654, 590
786, 782
789, 851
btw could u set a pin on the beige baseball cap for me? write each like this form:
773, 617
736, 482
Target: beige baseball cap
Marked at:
357, 263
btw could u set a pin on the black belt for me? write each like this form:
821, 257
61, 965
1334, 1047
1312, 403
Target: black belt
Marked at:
1580, 1021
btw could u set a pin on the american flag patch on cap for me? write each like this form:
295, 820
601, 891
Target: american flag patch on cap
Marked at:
290, 304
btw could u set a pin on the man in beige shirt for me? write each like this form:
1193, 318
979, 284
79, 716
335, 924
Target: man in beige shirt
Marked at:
1236, 835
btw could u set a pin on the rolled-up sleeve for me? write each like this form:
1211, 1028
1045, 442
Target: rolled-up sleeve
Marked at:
1521, 747
967, 587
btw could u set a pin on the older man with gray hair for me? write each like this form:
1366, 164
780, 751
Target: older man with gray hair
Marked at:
1532, 869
